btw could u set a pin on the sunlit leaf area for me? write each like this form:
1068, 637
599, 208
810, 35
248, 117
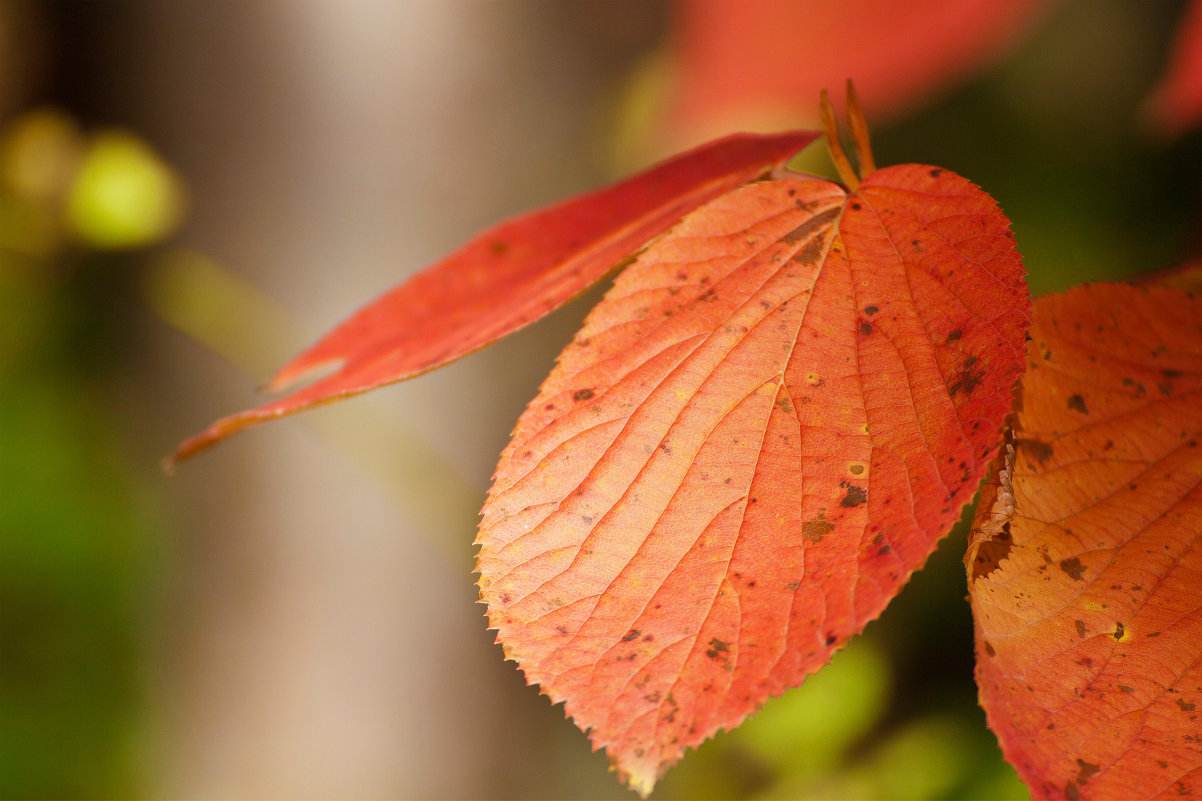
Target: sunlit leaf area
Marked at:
190, 194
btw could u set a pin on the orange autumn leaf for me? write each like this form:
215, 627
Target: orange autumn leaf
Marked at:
509, 277
1085, 560
760, 432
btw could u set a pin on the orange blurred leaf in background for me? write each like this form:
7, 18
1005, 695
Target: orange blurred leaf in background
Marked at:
736, 64
1175, 104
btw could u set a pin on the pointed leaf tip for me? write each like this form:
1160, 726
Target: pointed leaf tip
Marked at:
509, 277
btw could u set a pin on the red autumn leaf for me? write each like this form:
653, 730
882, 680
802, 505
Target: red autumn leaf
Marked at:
1085, 562
763, 59
1175, 105
509, 277
763, 429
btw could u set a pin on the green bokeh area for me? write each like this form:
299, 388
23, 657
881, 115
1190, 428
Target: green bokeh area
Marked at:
74, 559
80, 541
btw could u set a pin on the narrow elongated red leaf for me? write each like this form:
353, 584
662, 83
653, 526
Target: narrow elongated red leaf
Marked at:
1085, 566
510, 276
759, 434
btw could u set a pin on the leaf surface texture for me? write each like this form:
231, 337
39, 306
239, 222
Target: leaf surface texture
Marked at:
758, 435
1086, 559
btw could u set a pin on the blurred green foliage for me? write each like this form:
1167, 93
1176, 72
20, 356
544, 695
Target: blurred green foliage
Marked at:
78, 547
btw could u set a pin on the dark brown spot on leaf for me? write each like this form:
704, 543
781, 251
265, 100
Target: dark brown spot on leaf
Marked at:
991, 552
807, 228
718, 649
966, 379
1042, 451
854, 497
582, 395
816, 529
1073, 568
1081, 628
1077, 403
810, 253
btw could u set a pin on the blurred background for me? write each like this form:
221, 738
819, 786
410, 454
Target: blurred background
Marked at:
192, 192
